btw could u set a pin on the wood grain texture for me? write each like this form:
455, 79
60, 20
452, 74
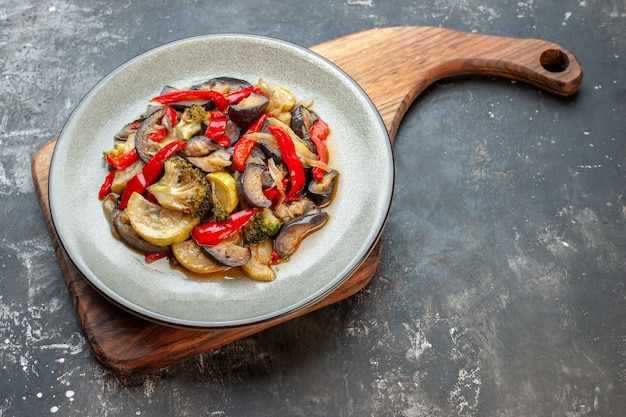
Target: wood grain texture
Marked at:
393, 66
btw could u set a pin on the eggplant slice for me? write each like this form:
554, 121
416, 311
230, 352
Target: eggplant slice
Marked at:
229, 252
248, 110
321, 191
250, 186
122, 226
297, 229
128, 129
222, 84
146, 148
301, 121
200, 145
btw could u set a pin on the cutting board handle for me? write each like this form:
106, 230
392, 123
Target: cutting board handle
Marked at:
394, 65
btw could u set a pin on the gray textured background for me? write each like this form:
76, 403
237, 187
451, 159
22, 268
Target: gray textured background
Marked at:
501, 288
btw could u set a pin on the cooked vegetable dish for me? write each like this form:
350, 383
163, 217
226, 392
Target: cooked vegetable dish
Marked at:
221, 175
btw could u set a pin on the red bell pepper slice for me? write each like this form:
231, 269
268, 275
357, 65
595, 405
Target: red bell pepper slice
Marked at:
242, 150
271, 193
236, 96
221, 100
150, 172
318, 133
171, 114
291, 159
275, 257
151, 198
216, 128
213, 233
124, 160
175, 96
243, 147
258, 124
105, 188
155, 256
159, 135
274, 194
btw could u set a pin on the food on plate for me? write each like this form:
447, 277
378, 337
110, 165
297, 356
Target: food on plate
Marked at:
223, 174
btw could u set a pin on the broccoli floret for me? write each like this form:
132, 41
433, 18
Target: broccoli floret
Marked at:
190, 123
262, 226
183, 187
218, 210
195, 114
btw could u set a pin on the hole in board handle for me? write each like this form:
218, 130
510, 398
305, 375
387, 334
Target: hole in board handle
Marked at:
554, 60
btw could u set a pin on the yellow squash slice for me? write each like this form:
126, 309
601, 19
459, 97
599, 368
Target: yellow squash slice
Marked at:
158, 225
258, 267
191, 257
224, 189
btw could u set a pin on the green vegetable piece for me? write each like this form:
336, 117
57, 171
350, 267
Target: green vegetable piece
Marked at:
263, 226
195, 114
183, 187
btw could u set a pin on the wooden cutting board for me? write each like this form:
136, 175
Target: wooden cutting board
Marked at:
393, 65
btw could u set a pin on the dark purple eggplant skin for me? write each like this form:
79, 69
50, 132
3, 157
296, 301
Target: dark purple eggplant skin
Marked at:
167, 89
127, 130
228, 253
270, 147
200, 145
222, 84
145, 147
257, 156
295, 230
250, 186
127, 233
301, 120
180, 106
248, 110
320, 192
232, 131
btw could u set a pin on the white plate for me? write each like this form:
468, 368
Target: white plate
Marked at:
360, 150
